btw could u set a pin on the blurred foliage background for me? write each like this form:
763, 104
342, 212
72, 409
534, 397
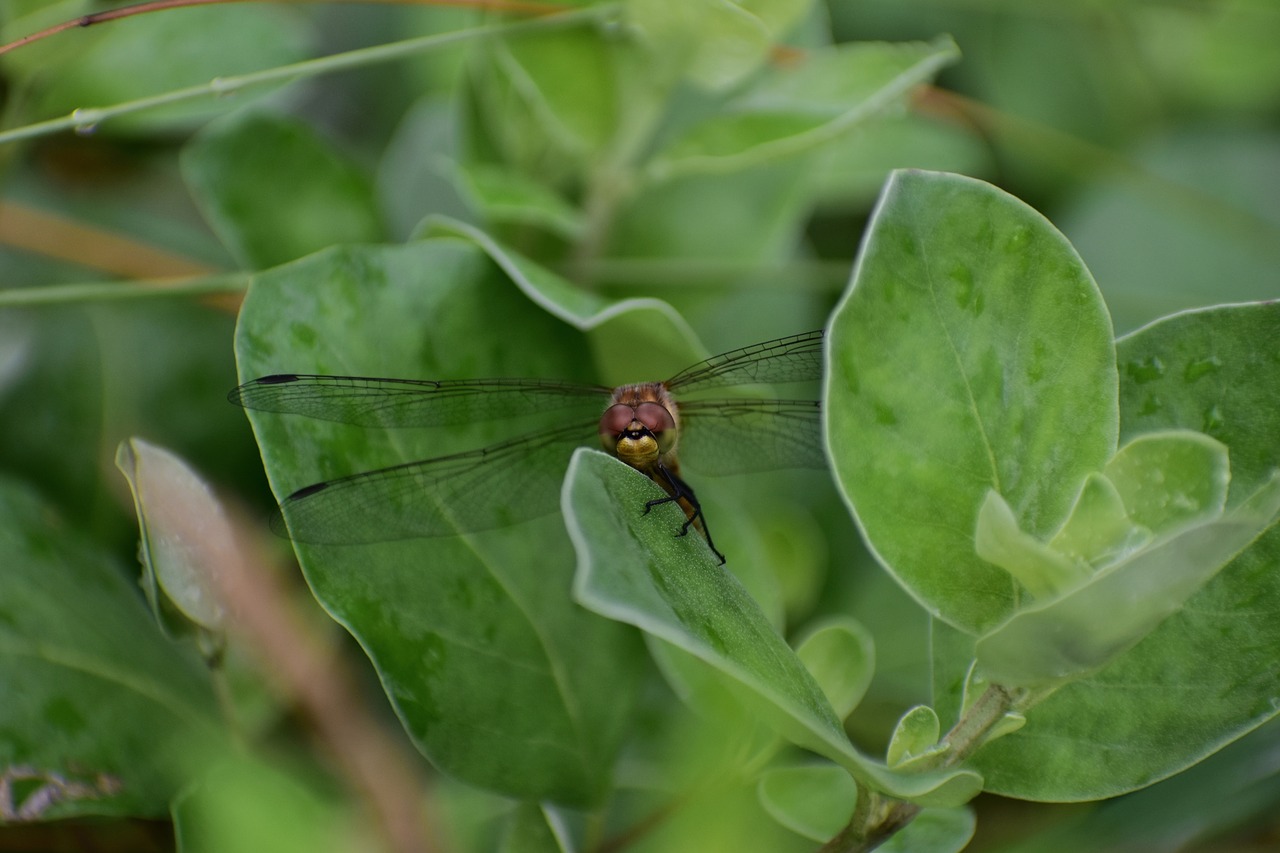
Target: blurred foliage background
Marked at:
1147, 130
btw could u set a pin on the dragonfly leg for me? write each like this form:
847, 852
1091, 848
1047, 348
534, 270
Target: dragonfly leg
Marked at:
680, 492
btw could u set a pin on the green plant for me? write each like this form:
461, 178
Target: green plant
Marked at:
1086, 525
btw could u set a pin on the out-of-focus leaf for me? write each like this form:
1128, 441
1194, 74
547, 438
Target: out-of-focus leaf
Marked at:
412, 185
497, 676
529, 829
813, 800
754, 217
714, 44
840, 654
803, 105
1220, 57
185, 533
95, 697
934, 831
243, 803
151, 54
1200, 230
53, 438
566, 78
633, 569
852, 171
618, 328
275, 191
503, 197
972, 352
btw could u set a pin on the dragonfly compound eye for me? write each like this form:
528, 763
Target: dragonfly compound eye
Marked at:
614, 422
658, 421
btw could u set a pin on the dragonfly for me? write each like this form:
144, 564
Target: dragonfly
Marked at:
519, 479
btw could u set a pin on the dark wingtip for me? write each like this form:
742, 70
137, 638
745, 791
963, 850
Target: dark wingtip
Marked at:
241, 394
306, 491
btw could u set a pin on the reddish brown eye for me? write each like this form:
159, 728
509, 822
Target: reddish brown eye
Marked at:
615, 420
655, 417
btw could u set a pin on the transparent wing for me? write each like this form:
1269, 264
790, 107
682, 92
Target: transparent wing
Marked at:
792, 359
721, 437
390, 403
495, 486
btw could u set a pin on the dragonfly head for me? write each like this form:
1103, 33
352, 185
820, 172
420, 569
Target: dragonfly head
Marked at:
638, 434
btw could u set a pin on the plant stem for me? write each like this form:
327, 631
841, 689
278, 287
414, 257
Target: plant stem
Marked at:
876, 819
971, 729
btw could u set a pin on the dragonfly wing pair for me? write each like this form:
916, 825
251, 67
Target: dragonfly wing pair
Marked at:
519, 479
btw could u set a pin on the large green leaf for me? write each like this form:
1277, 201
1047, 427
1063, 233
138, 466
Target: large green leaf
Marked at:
1195, 810
972, 353
495, 674
632, 567
1208, 674
95, 699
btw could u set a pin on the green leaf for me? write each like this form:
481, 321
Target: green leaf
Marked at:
529, 829
971, 353
1197, 230
498, 678
1206, 675
566, 79
185, 533
618, 328
800, 106
547, 103
840, 654
1234, 788
95, 697
505, 197
816, 800
1099, 530
274, 190
916, 735
239, 802
751, 218
714, 44
634, 569
813, 800
935, 831
1155, 484
1171, 479
1082, 631
1038, 567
